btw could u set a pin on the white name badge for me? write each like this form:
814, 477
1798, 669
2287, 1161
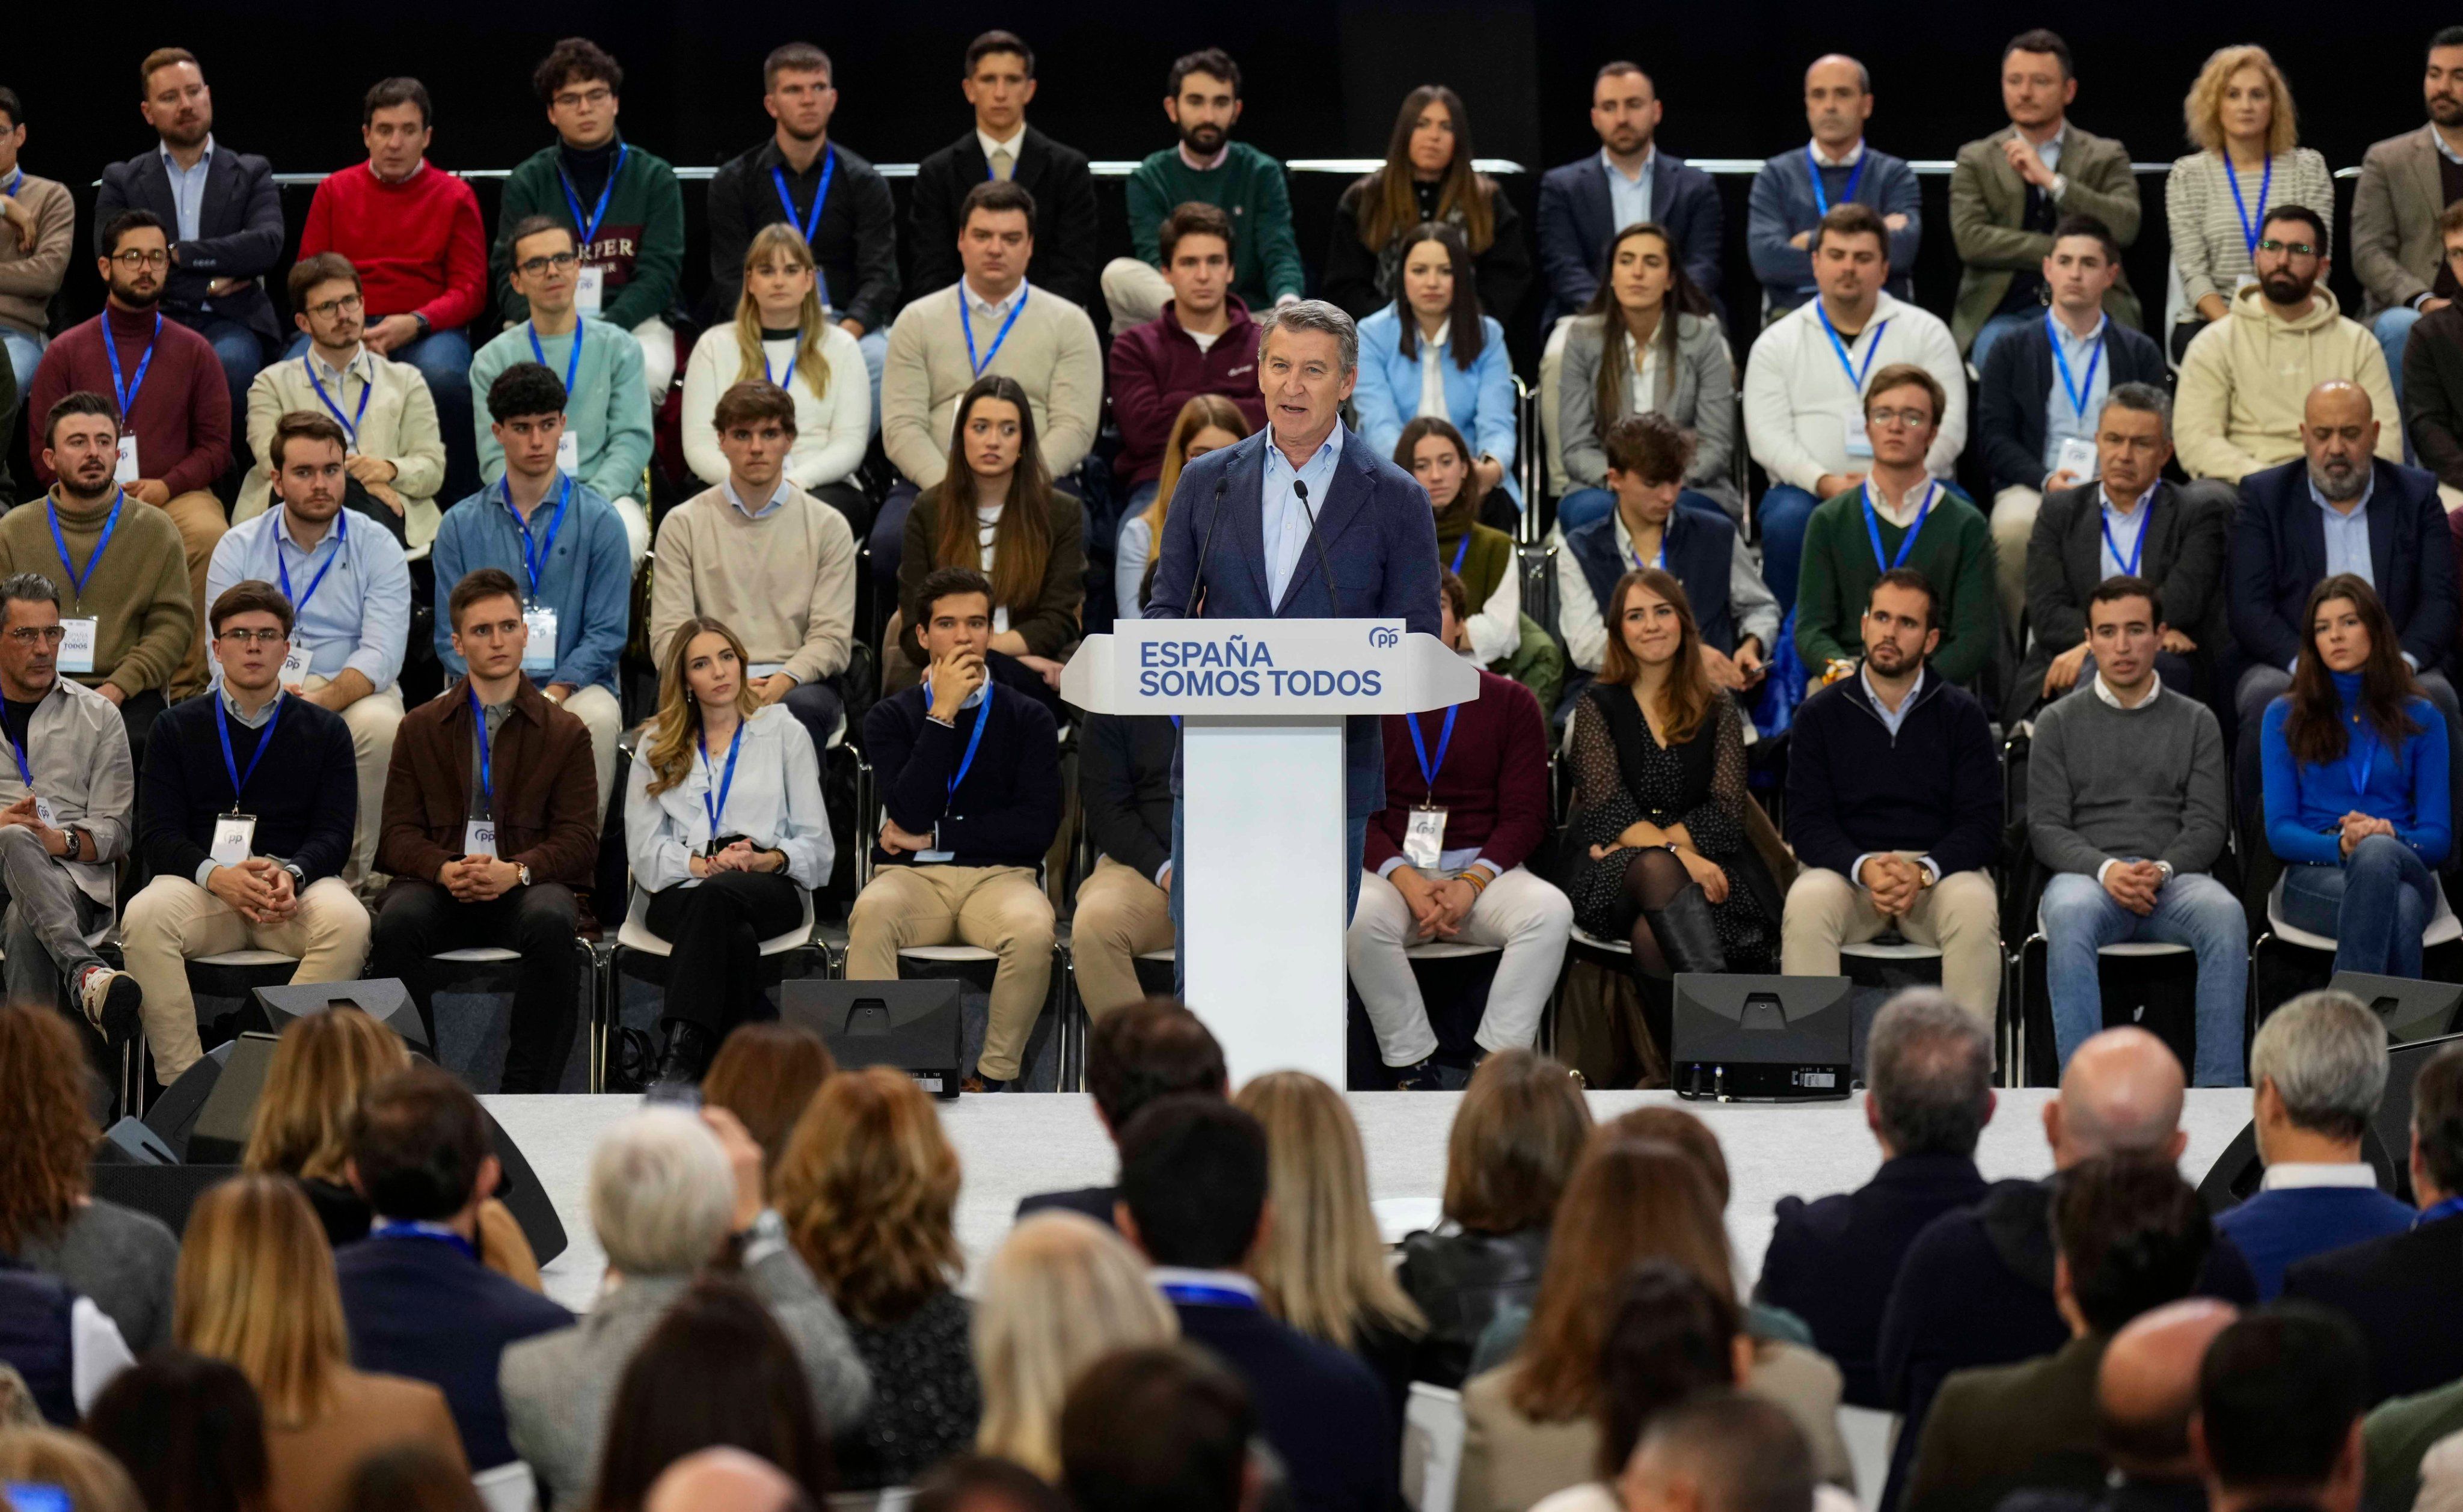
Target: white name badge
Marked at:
589, 288
294, 667
540, 656
44, 811
127, 470
568, 452
1424, 839
1859, 445
76, 645
2077, 458
479, 838
234, 833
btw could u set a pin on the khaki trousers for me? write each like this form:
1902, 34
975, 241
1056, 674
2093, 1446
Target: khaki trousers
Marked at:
995, 908
202, 527
1121, 916
175, 920
2014, 524
1959, 916
372, 722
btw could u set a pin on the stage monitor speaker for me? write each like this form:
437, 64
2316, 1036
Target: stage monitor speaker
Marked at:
384, 999
173, 1112
129, 1142
221, 1132
2233, 1178
2412, 1010
1741, 1038
914, 1026
166, 1192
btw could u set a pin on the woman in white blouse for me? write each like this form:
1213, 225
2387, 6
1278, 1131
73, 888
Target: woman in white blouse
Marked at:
2249, 161
781, 334
725, 831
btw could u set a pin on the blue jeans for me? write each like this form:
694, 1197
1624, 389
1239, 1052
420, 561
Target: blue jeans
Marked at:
1355, 841
2375, 906
443, 359
1785, 511
25, 354
1583, 506
889, 530
2393, 329
1994, 329
2078, 917
241, 354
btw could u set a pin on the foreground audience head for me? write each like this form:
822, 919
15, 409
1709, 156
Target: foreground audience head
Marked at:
420, 1148
1202, 97
411, 1478
1720, 1453
2339, 434
765, 1073
996, 237
51, 1135
661, 1195
1518, 1131
954, 612
2128, 1234
724, 1480
2084, 265
1672, 1338
1690, 1136
545, 267
1192, 1183
2280, 1397
2320, 1067
93, 1479
1431, 450
984, 1483
782, 293
2121, 1094
1652, 630
1648, 455
327, 303
322, 1065
136, 260
1061, 1292
188, 1429
2133, 440
2146, 1387
1148, 1050
1162, 1429
2437, 1128
867, 1185
1323, 1264
1196, 246
2291, 257
307, 451
1928, 1064
255, 1286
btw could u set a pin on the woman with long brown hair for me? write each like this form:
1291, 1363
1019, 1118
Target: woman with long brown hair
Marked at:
1207, 423
2357, 802
1427, 176
1431, 449
765, 1073
1431, 354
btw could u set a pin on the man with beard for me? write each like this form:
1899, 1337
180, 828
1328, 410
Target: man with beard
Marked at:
2406, 181
1586, 202
1204, 103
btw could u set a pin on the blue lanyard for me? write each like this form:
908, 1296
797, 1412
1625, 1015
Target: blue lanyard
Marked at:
975, 738
1855, 176
1661, 562
351, 422
24, 770
535, 553
15, 183
282, 568
487, 774
1907, 542
2250, 228
126, 392
2078, 392
1192, 1294
782, 382
787, 202
102, 544
968, 321
2448, 1208
433, 1234
264, 743
1854, 375
727, 783
572, 360
1461, 551
2137, 549
589, 228
1419, 747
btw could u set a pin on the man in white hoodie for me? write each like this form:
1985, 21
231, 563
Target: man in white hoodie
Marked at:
1805, 383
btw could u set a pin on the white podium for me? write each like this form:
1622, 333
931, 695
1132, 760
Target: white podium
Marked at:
1262, 703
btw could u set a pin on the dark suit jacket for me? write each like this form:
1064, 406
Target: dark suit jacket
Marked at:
1064, 214
1831, 1261
2278, 553
1322, 1408
2010, 1428
1093, 1202
2183, 557
2433, 393
2401, 1291
1380, 540
1576, 220
239, 232
2018, 379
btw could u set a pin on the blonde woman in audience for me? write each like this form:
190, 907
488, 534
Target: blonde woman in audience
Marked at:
2249, 160
1207, 423
1061, 1294
93, 1480
765, 1073
256, 1287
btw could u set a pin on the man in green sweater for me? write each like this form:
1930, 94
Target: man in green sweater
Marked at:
1207, 166
1900, 516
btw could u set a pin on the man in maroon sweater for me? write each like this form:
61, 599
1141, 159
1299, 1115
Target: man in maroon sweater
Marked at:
175, 434
1466, 802
1204, 343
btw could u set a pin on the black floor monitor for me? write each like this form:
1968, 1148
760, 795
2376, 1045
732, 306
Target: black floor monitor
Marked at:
913, 1026
384, 999
2412, 1009
1762, 1039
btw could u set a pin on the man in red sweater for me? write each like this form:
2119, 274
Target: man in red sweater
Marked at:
1204, 343
1466, 802
413, 232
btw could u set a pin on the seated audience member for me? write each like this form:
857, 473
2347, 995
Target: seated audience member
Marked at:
1026, 537
239, 863
2245, 381
1898, 497
1166, 1428
2280, 1399
70, 1465
1202, 98
2040, 408
469, 868
1194, 1185
2130, 1235
986, 325
725, 1477
2241, 121
948, 870
173, 419
349, 629
1149, 1049
1586, 203
256, 1287
188, 1429
1491, 623
2393, 1287
1206, 422
1516, 1136
2177, 544
2430, 379
1202, 347
1061, 1294
1720, 1453
2357, 795
1124, 904
606, 410
622, 207
50, 1222
414, 232
667, 1192
1812, 375
1647, 342
34, 256
722, 871
415, 1297
2146, 1392
1432, 354
390, 422
302, 1126
2320, 1067
1428, 878
221, 214
575, 603
2126, 807
2395, 211
764, 1073
1796, 191
1831, 1261
762, 553
1896, 833
1656, 847
782, 337
1649, 525
999, 83
867, 1187
1381, 220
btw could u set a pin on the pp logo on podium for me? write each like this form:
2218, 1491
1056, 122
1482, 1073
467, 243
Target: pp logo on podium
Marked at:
1385, 636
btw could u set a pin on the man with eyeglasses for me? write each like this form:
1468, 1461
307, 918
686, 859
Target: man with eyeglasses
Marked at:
37, 223
624, 205
247, 796
349, 588
394, 445
607, 438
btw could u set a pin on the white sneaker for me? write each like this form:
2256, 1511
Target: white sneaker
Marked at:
111, 1000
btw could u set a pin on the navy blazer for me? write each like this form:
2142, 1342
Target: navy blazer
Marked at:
2400, 1291
2017, 382
239, 232
2279, 555
1578, 220
1063, 188
1322, 1408
1380, 539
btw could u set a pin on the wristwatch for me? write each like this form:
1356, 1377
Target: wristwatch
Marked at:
425, 328
524, 869
298, 877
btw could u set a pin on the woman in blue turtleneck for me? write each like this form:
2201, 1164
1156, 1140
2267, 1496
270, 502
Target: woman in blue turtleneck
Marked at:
2356, 786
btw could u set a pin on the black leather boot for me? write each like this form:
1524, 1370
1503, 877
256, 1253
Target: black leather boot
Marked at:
686, 1054
1689, 938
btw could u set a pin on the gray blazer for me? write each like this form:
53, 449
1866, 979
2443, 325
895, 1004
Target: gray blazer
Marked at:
2395, 245
1703, 400
558, 1386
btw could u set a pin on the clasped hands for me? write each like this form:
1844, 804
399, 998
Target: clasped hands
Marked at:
1713, 876
2357, 827
22, 813
741, 856
477, 878
1894, 880
1438, 908
2134, 884
258, 890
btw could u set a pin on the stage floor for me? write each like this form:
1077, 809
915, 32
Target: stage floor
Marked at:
1014, 1145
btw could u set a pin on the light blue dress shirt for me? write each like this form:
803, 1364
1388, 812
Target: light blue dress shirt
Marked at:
2347, 535
2125, 528
359, 618
1285, 519
1630, 199
188, 188
777, 497
2061, 423
587, 581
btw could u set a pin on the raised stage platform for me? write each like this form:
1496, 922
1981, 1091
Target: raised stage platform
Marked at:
1011, 1145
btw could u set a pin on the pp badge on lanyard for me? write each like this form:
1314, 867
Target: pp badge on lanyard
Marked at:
78, 636
2076, 454
717, 806
540, 656
967, 322
294, 666
235, 833
126, 393
590, 283
809, 226
1423, 837
479, 835
1859, 445
1907, 542
351, 422
26, 773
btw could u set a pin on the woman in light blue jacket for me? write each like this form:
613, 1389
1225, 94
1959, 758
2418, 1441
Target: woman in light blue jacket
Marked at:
1432, 353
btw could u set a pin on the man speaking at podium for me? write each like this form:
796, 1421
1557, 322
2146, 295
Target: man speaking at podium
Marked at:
1301, 521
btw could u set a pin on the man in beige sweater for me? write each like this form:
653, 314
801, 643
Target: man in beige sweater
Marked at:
38, 222
766, 559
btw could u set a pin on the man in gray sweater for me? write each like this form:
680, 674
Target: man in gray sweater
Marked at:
2126, 805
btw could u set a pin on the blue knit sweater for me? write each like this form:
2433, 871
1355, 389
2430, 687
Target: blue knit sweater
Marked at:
2305, 802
